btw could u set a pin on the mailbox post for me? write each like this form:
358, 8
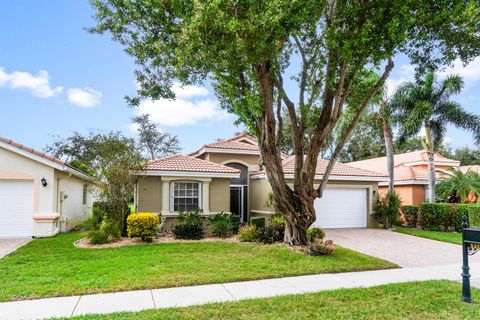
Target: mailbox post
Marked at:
470, 245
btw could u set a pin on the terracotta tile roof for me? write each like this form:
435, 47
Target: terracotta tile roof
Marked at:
380, 164
32, 151
403, 173
185, 163
232, 145
475, 168
339, 169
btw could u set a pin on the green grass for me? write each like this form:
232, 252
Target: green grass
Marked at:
452, 237
54, 267
415, 301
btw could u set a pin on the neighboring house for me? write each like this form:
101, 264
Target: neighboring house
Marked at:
410, 173
228, 176
474, 167
39, 195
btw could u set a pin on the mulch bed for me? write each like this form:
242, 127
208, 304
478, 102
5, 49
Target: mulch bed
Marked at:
124, 242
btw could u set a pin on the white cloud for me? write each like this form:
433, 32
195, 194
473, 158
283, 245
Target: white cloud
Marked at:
406, 73
469, 73
186, 109
38, 84
86, 97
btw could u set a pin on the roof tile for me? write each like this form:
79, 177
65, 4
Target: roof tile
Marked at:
185, 163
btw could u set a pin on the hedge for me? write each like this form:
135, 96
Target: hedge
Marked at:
447, 216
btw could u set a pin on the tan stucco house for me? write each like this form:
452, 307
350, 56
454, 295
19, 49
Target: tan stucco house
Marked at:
228, 176
410, 173
40, 195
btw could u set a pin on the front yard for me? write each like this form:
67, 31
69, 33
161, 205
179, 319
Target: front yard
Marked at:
451, 237
54, 267
415, 301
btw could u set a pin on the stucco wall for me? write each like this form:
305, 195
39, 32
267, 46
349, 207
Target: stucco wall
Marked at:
220, 195
250, 159
13, 165
409, 193
149, 193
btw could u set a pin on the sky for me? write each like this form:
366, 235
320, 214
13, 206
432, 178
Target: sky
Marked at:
56, 78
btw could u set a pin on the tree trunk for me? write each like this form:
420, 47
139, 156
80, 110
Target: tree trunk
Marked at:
387, 136
431, 164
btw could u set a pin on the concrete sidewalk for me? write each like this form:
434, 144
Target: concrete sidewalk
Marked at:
187, 296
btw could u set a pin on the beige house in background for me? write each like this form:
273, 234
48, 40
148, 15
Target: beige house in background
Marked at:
228, 176
40, 195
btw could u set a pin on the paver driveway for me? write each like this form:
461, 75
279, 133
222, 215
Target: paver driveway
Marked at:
402, 249
10, 245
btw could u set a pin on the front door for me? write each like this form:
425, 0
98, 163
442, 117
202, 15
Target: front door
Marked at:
238, 201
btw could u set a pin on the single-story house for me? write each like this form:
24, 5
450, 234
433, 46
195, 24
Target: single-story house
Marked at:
410, 173
40, 195
228, 176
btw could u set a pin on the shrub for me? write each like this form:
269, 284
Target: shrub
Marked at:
473, 213
248, 233
143, 225
234, 223
435, 216
315, 233
258, 222
271, 234
189, 226
387, 209
410, 214
98, 237
277, 221
221, 225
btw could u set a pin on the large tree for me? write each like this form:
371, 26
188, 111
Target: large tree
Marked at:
155, 142
427, 104
246, 49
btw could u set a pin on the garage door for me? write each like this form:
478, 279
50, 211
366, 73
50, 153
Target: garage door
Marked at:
342, 208
16, 208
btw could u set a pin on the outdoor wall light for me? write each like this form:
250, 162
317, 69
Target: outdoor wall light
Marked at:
44, 182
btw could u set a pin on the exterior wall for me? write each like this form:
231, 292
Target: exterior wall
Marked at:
261, 187
149, 194
410, 194
150, 191
70, 199
14, 166
252, 160
220, 195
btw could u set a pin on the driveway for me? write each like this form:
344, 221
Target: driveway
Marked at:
402, 249
9, 245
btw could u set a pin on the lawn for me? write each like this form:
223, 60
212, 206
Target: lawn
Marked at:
452, 237
54, 267
415, 301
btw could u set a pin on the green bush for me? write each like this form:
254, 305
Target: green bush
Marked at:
410, 214
435, 216
271, 233
98, 237
277, 221
259, 222
221, 225
248, 233
234, 223
387, 209
315, 233
473, 213
143, 225
189, 226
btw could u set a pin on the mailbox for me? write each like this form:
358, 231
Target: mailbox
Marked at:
471, 245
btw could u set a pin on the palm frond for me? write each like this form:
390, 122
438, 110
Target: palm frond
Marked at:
452, 112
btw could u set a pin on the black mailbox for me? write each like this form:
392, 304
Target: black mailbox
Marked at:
471, 245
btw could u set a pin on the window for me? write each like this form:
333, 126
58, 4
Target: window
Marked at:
186, 196
84, 194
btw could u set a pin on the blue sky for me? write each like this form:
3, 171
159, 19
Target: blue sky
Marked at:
55, 78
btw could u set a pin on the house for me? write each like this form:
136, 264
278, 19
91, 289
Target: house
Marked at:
40, 195
410, 173
227, 176
475, 168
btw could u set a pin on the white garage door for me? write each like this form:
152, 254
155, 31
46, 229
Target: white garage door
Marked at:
16, 208
342, 208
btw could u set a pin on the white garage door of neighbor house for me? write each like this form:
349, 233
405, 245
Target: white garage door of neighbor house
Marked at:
16, 208
342, 208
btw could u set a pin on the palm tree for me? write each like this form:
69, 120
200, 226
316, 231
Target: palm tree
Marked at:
460, 187
427, 104
384, 114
